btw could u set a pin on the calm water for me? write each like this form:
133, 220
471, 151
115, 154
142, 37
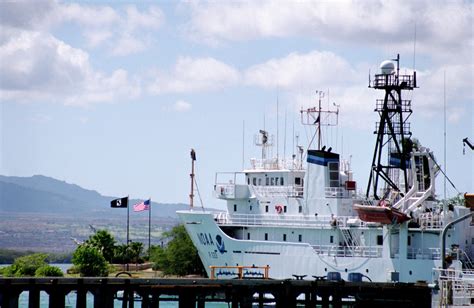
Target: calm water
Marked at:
71, 297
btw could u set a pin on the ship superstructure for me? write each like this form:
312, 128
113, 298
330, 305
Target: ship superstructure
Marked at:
303, 217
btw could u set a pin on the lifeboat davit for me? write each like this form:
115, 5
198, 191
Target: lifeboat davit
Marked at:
380, 213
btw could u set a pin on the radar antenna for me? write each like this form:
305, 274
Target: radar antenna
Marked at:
263, 140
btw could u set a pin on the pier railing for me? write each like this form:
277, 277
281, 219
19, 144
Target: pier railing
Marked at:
244, 293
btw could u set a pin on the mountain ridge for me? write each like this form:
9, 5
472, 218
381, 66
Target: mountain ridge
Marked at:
43, 194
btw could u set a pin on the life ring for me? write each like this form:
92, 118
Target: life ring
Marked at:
279, 209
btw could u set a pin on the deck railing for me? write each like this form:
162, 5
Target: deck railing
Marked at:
349, 251
289, 220
456, 287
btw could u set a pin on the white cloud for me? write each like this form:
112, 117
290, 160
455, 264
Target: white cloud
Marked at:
195, 74
182, 106
26, 14
128, 45
314, 69
37, 66
96, 37
122, 31
87, 16
35, 61
381, 23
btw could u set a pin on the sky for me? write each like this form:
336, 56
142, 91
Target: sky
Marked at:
112, 95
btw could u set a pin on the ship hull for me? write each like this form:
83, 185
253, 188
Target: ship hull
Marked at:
286, 259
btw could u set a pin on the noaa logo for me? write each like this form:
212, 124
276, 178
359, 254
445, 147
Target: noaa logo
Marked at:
220, 244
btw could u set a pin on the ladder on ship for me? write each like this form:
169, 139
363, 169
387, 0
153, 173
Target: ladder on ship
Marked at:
351, 238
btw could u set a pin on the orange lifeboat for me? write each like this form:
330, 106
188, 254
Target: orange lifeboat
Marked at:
380, 213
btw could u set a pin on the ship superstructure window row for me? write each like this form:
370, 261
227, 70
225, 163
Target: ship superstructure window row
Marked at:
269, 181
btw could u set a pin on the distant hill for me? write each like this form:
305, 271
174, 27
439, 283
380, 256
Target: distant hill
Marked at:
46, 195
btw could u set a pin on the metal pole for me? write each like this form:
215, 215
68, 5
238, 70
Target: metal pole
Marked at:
191, 195
149, 230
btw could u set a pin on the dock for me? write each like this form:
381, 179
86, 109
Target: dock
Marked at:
197, 292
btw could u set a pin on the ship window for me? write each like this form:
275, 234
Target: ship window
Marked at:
379, 240
300, 237
331, 239
272, 181
472, 241
248, 181
298, 181
284, 209
281, 181
254, 180
333, 174
266, 236
284, 237
267, 181
250, 207
235, 207
259, 182
266, 208
248, 236
300, 209
409, 240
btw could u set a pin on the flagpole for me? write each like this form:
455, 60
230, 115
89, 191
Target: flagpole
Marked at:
128, 226
149, 230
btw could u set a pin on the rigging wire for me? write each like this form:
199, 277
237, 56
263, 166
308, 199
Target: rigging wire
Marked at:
197, 189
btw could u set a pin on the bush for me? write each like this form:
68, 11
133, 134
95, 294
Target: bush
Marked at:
8, 271
26, 265
90, 262
49, 271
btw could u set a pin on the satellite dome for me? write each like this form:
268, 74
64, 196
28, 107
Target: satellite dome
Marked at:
387, 67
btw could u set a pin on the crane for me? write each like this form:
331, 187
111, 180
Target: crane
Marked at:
469, 144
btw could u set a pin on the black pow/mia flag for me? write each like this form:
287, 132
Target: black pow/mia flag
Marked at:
121, 202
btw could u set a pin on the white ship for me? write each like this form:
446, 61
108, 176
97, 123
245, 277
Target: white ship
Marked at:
303, 217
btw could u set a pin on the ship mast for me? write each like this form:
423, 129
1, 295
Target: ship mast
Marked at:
393, 129
318, 117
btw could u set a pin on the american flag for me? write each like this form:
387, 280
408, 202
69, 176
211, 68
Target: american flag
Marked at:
142, 206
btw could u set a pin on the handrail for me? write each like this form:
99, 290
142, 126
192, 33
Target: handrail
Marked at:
443, 235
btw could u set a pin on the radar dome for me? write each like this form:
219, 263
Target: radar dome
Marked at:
387, 67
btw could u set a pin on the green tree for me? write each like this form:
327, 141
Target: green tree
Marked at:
49, 271
89, 261
26, 265
104, 242
179, 257
136, 249
122, 254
